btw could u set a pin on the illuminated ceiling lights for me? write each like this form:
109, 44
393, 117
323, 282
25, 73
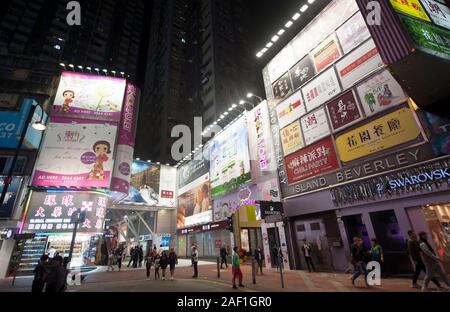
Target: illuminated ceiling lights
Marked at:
280, 32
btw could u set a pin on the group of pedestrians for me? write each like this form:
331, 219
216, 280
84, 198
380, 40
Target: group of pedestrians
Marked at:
136, 256
49, 274
160, 261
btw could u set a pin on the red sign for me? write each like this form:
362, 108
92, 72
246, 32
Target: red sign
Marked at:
344, 110
312, 160
166, 194
218, 243
359, 62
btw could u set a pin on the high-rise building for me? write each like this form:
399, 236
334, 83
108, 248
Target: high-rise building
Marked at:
35, 37
171, 93
199, 64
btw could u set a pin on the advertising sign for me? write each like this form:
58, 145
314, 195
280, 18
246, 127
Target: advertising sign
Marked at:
380, 92
291, 138
194, 169
344, 111
359, 63
321, 89
313, 160
230, 160
282, 87
326, 53
51, 212
76, 153
89, 96
428, 38
439, 13
167, 186
439, 133
386, 132
281, 63
262, 152
353, 33
12, 123
410, 7
144, 184
246, 196
315, 126
125, 143
290, 109
11, 196
302, 72
271, 211
194, 203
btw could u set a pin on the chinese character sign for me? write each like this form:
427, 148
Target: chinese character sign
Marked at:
291, 138
76, 153
353, 32
315, 126
410, 7
380, 92
326, 53
290, 109
282, 87
51, 212
302, 72
311, 161
380, 134
343, 111
440, 13
321, 89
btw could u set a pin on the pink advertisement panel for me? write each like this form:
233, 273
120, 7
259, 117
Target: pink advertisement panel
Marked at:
125, 145
76, 153
89, 96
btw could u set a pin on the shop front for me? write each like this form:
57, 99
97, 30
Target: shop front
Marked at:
208, 238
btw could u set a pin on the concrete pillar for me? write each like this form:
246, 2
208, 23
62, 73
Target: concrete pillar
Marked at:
5, 256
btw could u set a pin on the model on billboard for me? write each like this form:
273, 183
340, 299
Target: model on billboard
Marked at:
68, 96
101, 149
149, 195
202, 201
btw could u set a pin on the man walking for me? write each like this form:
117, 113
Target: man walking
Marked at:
431, 262
358, 256
236, 268
223, 256
414, 252
131, 256
195, 261
259, 257
306, 248
192, 252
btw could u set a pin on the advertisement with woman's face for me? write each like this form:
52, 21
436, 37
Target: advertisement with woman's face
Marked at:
194, 203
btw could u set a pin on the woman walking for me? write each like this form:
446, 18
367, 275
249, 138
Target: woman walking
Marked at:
149, 261
173, 260
157, 258
164, 262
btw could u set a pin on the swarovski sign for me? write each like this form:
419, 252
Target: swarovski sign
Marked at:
425, 177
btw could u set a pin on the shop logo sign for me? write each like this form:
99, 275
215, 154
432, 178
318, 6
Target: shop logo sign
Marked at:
74, 16
373, 273
420, 178
73, 277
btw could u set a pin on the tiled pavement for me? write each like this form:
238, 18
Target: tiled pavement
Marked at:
294, 281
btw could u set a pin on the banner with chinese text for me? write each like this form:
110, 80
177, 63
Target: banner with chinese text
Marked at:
291, 138
380, 134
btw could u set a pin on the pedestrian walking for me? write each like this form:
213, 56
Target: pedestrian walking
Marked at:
40, 274
131, 256
376, 254
195, 261
173, 260
140, 255
259, 257
432, 262
236, 268
149, 262
118, 254
110, 261
192, 252
135, 257
223, 256
414, 251
56, 280
156, 264
307, 252
163, 262
358, 256
275, 255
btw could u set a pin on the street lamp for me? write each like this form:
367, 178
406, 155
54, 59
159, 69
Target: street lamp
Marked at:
38, 125
250, 95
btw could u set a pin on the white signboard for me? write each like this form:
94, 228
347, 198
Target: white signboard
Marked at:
353, 33
281, 63
167, 186
321, 89
439, 13
291, 109
315, 126
380, 92
359, 63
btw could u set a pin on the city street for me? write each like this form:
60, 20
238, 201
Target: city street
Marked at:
134, 280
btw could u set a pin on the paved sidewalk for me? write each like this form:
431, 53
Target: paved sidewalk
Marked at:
294, 281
